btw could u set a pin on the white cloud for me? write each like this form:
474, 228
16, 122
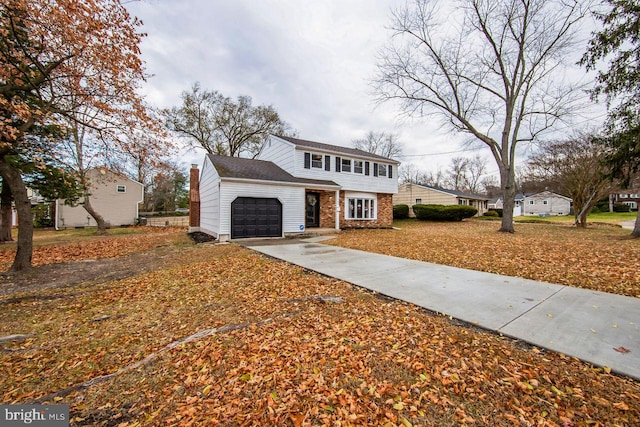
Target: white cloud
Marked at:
312, 60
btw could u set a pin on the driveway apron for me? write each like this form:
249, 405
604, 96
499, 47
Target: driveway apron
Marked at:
599, 328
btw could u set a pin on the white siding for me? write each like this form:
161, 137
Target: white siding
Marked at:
279, 152
556, 205
292, 199
291, 158
348, 181
209, 198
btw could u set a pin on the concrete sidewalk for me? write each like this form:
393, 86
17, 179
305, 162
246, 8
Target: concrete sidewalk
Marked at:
585, 324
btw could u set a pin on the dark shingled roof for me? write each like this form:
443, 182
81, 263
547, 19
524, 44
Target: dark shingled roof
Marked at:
237, 167
329, 147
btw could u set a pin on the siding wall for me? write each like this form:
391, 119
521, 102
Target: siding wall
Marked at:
408, 193
291, 159
209, 198
279, 152
555, 205
348, 181
116, 208
292, 199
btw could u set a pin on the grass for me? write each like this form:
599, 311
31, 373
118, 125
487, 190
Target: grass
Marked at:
601, 217
288, 360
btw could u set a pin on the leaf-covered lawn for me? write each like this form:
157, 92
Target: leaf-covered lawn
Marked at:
278, 356
599, 258
71, 245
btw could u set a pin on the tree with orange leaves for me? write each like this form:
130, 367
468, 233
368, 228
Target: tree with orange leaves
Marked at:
63, 63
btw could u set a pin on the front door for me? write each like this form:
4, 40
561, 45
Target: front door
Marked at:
312, 215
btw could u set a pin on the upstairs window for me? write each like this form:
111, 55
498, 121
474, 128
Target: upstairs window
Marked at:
382, 170
358, 166
532, 202
418, 201
316, 161
545, 202
121, 189
346, 165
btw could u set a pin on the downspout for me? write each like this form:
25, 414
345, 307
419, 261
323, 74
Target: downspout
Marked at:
55, 223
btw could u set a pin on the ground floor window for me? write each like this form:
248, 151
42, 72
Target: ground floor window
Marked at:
361, 208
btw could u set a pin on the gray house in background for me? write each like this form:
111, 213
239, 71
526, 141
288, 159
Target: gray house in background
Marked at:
547, 203
543, 203
114, 196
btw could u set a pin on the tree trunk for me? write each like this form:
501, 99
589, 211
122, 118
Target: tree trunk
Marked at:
102, 224
508, 198
636, 227
13, 178
6, 220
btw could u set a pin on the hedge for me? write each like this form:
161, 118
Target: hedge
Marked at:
621, 207
400, 211
444, 212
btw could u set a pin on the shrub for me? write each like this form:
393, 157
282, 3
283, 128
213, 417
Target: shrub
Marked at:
444, 213
621, 207
491, 213
595, 209
500, 211
400, 211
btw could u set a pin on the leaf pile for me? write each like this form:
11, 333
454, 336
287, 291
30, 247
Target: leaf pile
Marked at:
602, 259
293, 358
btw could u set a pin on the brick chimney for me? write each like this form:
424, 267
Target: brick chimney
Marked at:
194, 197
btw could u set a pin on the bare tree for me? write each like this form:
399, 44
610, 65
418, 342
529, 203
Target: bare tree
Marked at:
411, 173
492, 73
476, 168
574, 167
456, 174
223, 126
380, 143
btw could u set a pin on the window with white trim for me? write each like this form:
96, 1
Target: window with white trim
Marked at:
545, 202
382, 170
532, 202
316, 161
121, 189
358, 166
418, 201
361, 208
345, 165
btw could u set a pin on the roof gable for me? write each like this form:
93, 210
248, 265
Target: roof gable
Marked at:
302, 143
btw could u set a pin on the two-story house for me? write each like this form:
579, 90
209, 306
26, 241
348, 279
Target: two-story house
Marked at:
293, 185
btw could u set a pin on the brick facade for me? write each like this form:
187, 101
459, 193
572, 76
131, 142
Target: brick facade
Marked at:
327, 209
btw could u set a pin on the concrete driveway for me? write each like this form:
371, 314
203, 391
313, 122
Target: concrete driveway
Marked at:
599, 328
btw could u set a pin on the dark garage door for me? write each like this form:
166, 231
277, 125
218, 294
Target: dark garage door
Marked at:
256, 217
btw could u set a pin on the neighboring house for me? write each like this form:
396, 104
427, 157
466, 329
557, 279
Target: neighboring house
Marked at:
547, 203
416, 194
627, 197
114, 196
517, 208
293, 186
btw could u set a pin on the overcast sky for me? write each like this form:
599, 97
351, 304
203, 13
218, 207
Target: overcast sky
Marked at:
312, 60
